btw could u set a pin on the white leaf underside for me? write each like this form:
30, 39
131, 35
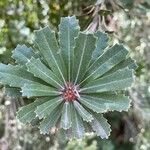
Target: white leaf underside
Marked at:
65, 122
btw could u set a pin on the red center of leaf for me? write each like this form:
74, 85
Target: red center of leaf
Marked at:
70, 92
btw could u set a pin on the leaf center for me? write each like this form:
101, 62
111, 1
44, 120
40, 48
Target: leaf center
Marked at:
70, 92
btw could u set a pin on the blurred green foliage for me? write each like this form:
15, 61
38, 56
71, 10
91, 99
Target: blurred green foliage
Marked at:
130, 25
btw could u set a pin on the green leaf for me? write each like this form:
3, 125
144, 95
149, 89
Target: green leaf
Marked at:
22, 54
15, 76
68, 30
50, 121
46, 42
12, 92
119, 80
39, 70
46, 108
101, 44
26, 114
83, 112
100, 126
106, 61
39, 54
75, 75
85, 44
37, 89
77, 124
105, 102
124, 64
65, 122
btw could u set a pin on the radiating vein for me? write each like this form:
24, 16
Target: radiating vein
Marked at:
40, 70
54, 59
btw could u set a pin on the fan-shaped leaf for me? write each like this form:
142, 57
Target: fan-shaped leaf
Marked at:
68, 30
46, 42
106, 102
39, 70
22, 54
66, 116
26, 114
82, 112
119, 80
100, 126
15, 76
85, 44
50, 120
38, 89
106, 61
46, 108
101, 44
124, 64
76, 80
77, 124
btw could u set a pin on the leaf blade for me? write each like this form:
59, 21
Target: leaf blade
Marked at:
50, 121
22, 54
46, 42
68, 30
66, 116
119, 80
36, 67
101, 44
124, 64
85, 44
100, 126
46, 108
18, 74
105, 62
37, 89
77, 124
26, 114
106, 102
86, 116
